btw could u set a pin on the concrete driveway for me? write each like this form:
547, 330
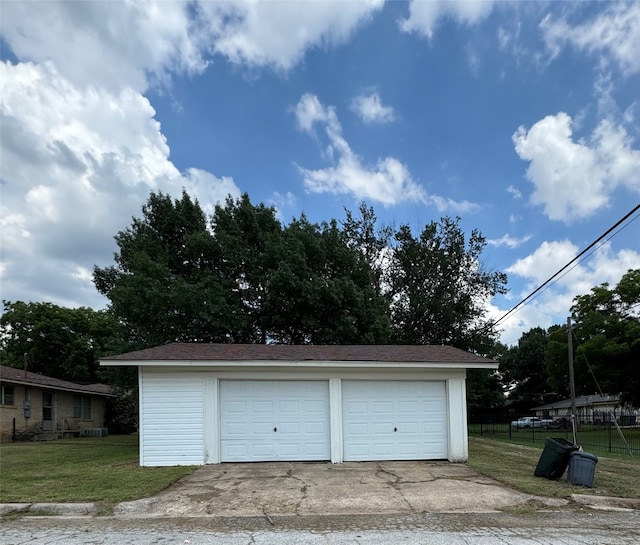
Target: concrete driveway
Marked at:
303, 488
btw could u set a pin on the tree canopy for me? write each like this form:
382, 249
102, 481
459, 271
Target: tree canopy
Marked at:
606, 349
56, 341
606, 329
241, 276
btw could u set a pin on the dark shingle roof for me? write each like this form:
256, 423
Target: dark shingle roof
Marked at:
581, 401
279, 352
19, 376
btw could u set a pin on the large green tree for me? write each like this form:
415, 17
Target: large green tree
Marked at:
524, 371
606, 339
320, 292
240, 277
165, 284
439, 288
60, 342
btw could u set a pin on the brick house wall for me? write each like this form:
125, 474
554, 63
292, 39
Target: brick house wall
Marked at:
61, 413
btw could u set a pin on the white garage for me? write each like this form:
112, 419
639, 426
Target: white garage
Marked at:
213, 403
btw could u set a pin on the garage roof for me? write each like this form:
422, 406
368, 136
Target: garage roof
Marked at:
282, 355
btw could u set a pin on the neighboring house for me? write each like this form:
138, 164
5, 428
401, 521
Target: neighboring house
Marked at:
212, 403
590, 408
36, 406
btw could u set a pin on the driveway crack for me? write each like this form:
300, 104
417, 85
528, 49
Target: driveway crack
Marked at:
303, 489
395, 484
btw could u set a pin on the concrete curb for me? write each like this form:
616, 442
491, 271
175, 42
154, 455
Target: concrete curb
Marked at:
606, 503
64, 509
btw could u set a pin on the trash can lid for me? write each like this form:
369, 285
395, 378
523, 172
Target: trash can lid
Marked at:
583, 454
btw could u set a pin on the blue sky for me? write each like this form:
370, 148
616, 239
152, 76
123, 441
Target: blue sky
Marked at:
522, 118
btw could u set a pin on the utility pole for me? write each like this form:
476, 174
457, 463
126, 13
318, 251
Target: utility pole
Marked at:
572, 383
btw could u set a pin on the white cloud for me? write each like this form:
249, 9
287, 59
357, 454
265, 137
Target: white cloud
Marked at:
517, 194
423, 16
547, 259
613, 35
508, 241
310, 111
138, 43
106, 44
552, 305
371, 110
443, 204
603, 266
274, 34
77, 163
388, 181
573, 179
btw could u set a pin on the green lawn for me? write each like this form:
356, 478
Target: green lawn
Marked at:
513, 464
605, 442
103, 470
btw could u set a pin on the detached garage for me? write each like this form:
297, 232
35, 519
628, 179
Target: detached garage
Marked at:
212, 403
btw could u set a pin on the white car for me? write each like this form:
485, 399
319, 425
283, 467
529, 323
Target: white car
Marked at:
531, 422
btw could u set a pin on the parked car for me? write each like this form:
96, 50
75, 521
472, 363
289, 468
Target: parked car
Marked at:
531, 422
560, 423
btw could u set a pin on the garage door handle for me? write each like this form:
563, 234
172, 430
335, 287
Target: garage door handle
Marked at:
395, 429
275, 429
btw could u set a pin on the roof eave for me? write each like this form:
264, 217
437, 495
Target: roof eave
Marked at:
51, 387
302, 363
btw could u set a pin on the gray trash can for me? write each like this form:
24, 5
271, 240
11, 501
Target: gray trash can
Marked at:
582, 468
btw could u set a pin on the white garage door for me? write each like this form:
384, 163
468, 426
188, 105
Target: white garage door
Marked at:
394, 420
274, 420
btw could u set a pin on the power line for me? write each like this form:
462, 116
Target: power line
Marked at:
534, 292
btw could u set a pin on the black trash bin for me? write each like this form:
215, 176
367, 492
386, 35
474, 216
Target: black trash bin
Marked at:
554, 458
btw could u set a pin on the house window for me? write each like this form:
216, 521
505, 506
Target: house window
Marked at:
6, 395
82, 407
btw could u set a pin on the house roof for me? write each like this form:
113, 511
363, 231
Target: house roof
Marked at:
278, 354
27, 378
581, 401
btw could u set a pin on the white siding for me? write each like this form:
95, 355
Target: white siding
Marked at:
172, 419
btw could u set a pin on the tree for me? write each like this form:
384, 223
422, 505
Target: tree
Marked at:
523, 368
372, 242
59, 342
166, 284
606, 342
438, 287
242, 278
321, 290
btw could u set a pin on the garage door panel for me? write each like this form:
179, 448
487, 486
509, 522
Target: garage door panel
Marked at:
357, 428
357, 407
384, 450
382, 408
262, 408
382, 428
297, 410
289, 406
408, 449
372, 410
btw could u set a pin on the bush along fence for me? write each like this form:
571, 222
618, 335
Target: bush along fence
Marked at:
596, 429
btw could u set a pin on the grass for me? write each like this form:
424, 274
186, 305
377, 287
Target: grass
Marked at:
103, 471
598, 440
514, 464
